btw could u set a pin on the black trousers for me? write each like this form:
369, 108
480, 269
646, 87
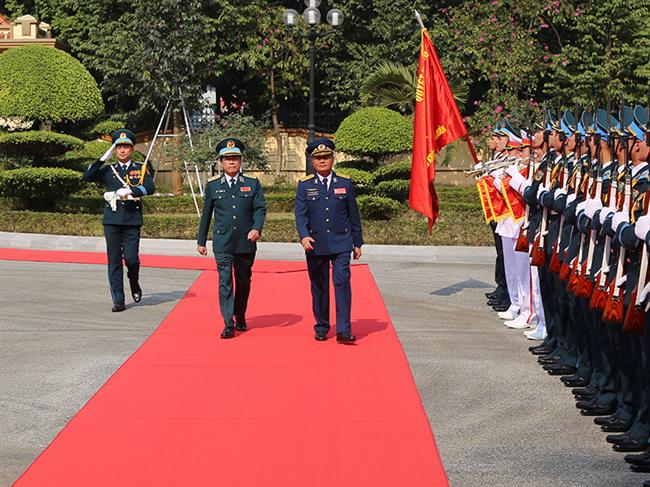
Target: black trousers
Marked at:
122, 243
499, 269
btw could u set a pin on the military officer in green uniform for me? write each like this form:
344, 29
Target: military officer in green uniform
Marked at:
237, 202
127, 182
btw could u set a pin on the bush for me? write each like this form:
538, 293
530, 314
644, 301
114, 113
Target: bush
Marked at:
375, 132
39, 145
104, 127
396, 189
45, 84
39, 187
378, 208
364, 181
361, 164
395, 170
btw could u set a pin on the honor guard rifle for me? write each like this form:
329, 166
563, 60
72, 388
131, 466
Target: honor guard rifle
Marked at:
538, 254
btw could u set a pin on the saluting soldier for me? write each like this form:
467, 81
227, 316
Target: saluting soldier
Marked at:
329, 226
237, 202
127, 182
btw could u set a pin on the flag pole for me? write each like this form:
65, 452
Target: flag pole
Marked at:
466, 137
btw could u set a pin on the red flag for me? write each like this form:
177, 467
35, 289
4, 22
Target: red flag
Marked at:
437, 123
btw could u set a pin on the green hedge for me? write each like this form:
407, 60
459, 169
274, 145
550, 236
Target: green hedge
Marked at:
375, 132
39, 187
41, 83
103, 127
378, 208
39, 144
395, 170
361, 164
363, 181
396, 189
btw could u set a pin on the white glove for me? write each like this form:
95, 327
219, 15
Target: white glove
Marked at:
571, 198
111, 198
541, 189
517, 180
524, 186
123, 192
580, 207
604, 213
559, 192
619, 218
642, 227
498, 183
645, 292
512, 171
592, 206
621, 280
107, 155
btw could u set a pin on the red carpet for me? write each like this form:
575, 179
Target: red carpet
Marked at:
271, 407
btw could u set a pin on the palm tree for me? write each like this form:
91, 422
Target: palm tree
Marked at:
393, 85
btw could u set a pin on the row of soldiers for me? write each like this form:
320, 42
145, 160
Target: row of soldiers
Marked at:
569, 207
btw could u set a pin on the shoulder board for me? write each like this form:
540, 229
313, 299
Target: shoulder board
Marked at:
307, 177
136, 162
251, 179
344, 176
213, 178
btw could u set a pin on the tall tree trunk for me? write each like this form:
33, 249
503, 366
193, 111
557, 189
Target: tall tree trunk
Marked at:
279, 153
177, 172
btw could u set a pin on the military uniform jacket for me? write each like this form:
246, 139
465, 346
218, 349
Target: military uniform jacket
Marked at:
330, 217
129, 212
237, 211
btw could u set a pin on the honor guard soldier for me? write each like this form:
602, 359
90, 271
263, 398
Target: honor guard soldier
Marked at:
127, 182
237, 202
329, 226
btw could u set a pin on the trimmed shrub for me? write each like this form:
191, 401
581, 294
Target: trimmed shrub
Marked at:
375, 132
395, 170
104, 127
37, 144
39, 187
396, 189
361, 164
378, 208
364, 181
45, 84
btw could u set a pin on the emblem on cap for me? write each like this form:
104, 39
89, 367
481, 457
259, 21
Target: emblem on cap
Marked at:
123, 135
230, 144
321, 147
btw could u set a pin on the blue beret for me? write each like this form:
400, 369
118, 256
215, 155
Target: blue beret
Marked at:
320, 146
230, 146
124, 136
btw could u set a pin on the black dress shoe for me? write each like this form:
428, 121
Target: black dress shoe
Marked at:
136, 292
631, 445
228, 332
492, 295
320, 336
640, 458
585, 391
559, 369
574, 381
241, 326
601, 420
616, 439
617, 426
596, 411
643, 467
548, 359
345, 338
117, 307
500, 307
586, 403
542, 351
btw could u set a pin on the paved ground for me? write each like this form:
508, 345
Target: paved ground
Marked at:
499, 420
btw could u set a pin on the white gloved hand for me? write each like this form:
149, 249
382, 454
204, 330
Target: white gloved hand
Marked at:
111, 199
123, 192
642, 227
580, 207
524, 186
619, 218
621, 280
645, 292
512, 171
604, 213
559, 192
592, 206
107, 155
498, 183
541, 189
516, 179
571, 198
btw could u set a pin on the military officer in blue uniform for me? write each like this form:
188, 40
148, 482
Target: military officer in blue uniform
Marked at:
237, 202
329, 226
127, 182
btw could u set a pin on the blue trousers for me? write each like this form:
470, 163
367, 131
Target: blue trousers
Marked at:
233, 304
122, 242
318, 267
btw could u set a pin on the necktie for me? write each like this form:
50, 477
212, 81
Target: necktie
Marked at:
232, 182
326, 184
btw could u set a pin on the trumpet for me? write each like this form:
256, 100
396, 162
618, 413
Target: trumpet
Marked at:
492, 165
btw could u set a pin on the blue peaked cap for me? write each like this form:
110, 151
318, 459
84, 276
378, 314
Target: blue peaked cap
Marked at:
568, 123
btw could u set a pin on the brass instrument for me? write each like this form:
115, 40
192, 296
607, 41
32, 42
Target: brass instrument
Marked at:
492, 165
